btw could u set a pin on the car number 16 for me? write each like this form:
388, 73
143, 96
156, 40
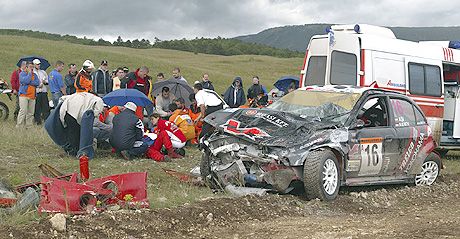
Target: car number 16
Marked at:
371, 156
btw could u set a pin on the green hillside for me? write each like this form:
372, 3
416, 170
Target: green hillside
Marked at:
296, 37
222, 69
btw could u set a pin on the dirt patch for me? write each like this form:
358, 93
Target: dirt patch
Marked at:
379, 212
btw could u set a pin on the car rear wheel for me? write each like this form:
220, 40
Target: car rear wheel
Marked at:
430, 170
4, 111
321, 175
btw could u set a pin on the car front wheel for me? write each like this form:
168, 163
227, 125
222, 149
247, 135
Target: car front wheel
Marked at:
430, 170
321, 175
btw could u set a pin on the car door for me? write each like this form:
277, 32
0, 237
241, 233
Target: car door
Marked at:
372, 147
413, 136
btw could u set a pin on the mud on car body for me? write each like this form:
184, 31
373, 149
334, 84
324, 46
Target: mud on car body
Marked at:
325, 137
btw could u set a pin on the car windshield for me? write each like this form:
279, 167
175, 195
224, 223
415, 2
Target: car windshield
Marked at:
317, 104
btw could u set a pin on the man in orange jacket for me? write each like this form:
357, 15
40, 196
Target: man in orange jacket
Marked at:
83, 81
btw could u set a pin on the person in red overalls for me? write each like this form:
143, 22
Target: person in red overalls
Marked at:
164, 130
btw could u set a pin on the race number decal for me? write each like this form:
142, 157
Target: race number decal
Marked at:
371, 156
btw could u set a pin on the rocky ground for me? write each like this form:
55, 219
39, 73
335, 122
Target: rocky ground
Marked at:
378, 212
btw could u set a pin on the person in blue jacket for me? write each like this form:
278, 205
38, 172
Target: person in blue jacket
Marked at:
28, 81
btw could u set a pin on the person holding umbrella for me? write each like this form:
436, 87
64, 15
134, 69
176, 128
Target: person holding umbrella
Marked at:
28, 81
83, 81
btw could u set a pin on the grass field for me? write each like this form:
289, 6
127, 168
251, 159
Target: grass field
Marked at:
22, 151
222, 69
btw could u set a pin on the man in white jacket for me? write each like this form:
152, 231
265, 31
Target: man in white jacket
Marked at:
71, 114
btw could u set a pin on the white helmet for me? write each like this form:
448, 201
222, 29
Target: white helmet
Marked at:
88, 64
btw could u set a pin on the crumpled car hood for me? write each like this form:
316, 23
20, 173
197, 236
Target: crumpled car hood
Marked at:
266, 127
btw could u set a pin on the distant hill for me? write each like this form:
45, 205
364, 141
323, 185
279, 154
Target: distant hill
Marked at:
215, 46
296, 37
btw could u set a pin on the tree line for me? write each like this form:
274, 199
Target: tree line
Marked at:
216, 46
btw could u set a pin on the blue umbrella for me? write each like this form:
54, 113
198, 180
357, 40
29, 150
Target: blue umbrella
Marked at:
122, 96
283, 83
44, 63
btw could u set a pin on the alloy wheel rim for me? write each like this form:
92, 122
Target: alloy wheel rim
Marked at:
428, 175
330, 176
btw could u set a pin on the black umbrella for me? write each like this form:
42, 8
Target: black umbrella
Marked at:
179, 88
44, 63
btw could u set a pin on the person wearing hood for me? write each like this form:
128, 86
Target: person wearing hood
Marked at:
234, 95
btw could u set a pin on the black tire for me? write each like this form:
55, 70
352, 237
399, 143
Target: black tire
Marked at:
4, 111
431, 168
313, 175
206, 174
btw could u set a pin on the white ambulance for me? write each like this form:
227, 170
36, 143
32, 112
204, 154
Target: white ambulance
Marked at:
366, 55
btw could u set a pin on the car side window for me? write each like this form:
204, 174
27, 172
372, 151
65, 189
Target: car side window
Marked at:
403, 112
374, 112
420, 119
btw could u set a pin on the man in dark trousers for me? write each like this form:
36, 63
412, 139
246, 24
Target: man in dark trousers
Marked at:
102, 82
127, 133
208, 103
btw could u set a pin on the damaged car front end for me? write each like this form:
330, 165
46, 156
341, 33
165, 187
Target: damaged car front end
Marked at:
267, 148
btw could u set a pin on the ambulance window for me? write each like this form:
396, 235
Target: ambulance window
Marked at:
419, 117
433, 80
416, 79
403, 112
316, 71
343, 68
424, 79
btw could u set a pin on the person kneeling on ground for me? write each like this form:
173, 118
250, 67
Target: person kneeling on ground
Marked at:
181, 117
127, 133
168, 135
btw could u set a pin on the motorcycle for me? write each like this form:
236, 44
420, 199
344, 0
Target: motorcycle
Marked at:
4, 111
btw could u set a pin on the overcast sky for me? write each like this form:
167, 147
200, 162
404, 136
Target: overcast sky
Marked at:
176, 19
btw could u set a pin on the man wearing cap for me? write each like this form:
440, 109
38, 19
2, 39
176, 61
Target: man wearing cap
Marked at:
127, 133
56, 83
42, 108
83, 81
69, 79
102, 83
